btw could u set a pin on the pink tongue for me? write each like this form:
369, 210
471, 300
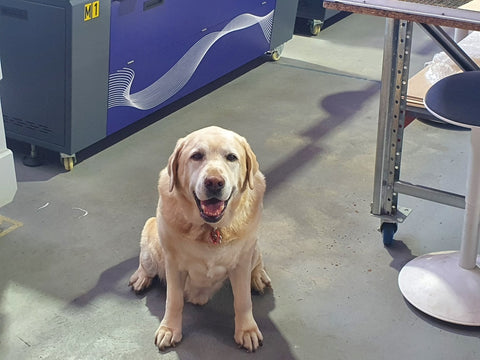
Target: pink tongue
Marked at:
213, 207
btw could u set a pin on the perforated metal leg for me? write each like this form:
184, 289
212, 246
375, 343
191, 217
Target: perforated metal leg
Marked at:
391, 118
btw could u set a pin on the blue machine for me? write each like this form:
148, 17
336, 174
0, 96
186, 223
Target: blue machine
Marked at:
76, 71
155, 61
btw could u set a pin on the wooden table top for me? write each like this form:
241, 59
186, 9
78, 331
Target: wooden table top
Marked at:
462, 14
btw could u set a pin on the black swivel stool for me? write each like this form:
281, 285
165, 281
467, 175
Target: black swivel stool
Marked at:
446, 285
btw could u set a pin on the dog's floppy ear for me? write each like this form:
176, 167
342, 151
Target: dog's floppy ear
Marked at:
173, 164
252, 164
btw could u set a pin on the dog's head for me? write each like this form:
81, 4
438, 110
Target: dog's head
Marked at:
212, 166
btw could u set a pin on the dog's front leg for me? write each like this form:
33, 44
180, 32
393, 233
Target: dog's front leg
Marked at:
247, 333
169, 333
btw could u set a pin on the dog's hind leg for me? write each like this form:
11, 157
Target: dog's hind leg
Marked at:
260, 278
151, 261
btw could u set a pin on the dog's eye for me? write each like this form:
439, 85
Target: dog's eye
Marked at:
197, 156
232, 157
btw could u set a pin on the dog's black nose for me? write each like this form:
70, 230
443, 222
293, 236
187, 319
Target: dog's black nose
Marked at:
214, 184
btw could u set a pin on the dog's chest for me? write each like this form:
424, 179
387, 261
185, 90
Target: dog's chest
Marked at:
208, 272
211, 264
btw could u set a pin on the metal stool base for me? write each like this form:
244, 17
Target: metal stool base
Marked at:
436, 285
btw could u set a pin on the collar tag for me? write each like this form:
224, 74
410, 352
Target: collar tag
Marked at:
216, 236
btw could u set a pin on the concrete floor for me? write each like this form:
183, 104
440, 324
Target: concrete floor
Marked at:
311, 119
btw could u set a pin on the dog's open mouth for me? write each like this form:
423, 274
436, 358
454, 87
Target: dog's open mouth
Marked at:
211, 210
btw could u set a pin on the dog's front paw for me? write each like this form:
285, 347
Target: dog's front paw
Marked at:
139, 281
166, 337
249, 339
260, 279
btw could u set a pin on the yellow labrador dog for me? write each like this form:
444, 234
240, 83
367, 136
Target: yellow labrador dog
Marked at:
205, 231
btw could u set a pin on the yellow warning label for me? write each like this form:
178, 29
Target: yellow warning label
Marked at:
88, 12
92, 11
95, 9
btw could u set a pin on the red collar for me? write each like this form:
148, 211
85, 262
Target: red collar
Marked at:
216, 236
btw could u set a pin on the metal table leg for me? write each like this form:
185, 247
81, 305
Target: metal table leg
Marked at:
396, 60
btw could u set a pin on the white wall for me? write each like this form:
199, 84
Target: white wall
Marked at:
8, 180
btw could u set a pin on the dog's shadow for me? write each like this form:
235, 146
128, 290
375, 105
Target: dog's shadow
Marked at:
207, 330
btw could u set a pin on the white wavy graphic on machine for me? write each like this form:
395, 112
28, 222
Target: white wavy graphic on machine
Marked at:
173, 80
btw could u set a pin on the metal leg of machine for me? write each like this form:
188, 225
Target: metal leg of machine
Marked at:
33, 158
390, 126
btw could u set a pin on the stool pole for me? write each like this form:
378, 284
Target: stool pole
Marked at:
469, 245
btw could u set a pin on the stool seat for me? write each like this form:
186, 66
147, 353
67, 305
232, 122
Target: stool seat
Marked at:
446, 285
456, 99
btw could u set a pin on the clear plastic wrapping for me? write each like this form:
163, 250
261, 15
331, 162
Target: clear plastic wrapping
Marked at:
442, 66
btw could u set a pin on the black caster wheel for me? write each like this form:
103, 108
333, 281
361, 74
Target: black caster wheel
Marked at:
388, 230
